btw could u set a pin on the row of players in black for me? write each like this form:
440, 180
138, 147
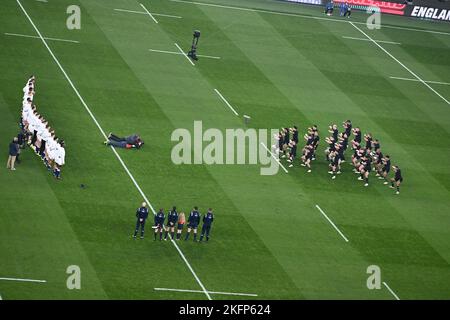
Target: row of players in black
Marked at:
174, 220
367, 155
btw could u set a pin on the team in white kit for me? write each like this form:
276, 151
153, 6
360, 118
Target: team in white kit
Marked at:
40, 136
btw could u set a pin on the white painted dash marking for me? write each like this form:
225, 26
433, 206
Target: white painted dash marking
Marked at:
212, 292
184, 54
181, 53
148, 12
275, 157
391, 291
331, 222
23, 280
226, 102
153, 13
363, 39
415, 80
36, 37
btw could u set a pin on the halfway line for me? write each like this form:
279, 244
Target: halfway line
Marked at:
332, 223
112, 148
226, 102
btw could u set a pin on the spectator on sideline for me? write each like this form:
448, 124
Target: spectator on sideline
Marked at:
13, 152
329, 7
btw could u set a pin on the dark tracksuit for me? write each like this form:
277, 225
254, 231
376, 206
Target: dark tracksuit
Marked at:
159, 222
207, 222
141, 215
172, 219
193, 221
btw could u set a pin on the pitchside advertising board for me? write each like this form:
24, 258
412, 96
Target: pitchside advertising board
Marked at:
424, 9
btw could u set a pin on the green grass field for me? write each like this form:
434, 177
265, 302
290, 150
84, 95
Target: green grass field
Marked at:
268, 237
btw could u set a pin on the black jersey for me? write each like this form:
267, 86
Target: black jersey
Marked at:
295, 135
369, 143
398, 175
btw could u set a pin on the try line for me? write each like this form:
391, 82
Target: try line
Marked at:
112, 148
212, 292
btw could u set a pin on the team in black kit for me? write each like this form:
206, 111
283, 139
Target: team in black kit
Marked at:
367, 157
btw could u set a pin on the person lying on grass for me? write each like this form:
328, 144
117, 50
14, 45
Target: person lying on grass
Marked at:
128, 142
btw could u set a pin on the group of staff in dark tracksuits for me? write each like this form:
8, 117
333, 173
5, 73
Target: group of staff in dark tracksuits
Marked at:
174, 220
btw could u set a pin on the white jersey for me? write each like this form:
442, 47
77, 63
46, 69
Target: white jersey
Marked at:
26, 109
39, 127
27, 87
43, 134
60, 155
33, 122
50, 147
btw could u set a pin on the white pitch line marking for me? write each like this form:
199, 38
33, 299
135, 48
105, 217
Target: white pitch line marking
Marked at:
302, 16
363, 39
112, 148
226, 102
273, 156
180, 53
212, 292
42, 1
184, 54
390, 290
23, 280
415, 80
1, 297
400, 63
35, 37
332, 223
153, 13
148, 12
